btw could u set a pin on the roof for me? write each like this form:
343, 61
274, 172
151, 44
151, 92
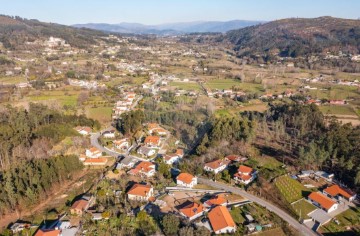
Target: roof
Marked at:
145, 166
242, 176
216, 164
335, 190
168, 157
144, 149
185, 177
324, 201
152, 125
42, 232
140, 190
233, 157
179, 151
245, 169
121, 141
192, 209
102, 160
320, 216
216, 200
94, 149
152, 139
220, 218
79, 204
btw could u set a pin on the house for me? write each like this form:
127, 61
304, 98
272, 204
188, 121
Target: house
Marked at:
122, 144
140, 192
180, 152
109, 134
145, 151
306, 174
145, 168
216, 200
83, 130
216, 166
337, 192
48, 232
152, 141
322, 201
101, 161
93, 152
127, 162
192, 210
19, 226
221, 220
171, 158
234, 158
186, 180
245, 175
324, 175
79, 206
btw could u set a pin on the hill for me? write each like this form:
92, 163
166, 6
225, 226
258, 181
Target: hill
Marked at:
172, 28
16, 31
298, 37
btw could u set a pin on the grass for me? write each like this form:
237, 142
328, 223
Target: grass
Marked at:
12, 79
68, 97
337, 110
102, 114
272, 232
189, 86
349, 218
267, 162
237, 215
230, 83
291, 189
303, 208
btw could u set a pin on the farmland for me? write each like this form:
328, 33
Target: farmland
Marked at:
291, 189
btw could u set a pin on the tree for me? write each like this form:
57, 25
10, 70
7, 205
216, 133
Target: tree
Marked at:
170, 224
164, 169
186, 231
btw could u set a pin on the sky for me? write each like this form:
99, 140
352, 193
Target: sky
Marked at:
169, 11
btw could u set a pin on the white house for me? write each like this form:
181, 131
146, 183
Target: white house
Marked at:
192, 210
186, 180
93, 152
140, 192
221, 220
245, 175
336, 192
122, 144
109, 134
145, 151
323, 202
144, 168
216, 166
171, 158
83, 130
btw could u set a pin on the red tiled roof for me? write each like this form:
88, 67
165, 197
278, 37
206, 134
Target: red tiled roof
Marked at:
152, 140
41, 232
216, 200
192, 209
216, 164
140, 190
101, 160
245, 169
220, 218
335, 190
242, 176
79, 204
185, 177
324, 201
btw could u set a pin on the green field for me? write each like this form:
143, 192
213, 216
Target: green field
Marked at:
102, 114
230, 83
68, 98
337, 110
349, 218
303, 208
189, 86
12, 79
291, 189
337, 92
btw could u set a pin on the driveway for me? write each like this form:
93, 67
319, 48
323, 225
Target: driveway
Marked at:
282, 214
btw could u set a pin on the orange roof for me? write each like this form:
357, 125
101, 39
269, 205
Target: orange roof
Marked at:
216, 200
41, 232
121, 141
145, 166
185, 177
245, 169
94, 149
139, 190
96, 160
152, 125
79, 204
216, 164
242, 176
152, 139
159, 130
168, 157
337, 190
192, 209
220, 218
324, 201
233, 157
179, 151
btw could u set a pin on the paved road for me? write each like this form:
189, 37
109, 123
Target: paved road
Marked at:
286, 217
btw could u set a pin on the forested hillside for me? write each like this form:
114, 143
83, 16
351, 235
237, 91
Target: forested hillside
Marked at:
16, 31
298, 37
30, 134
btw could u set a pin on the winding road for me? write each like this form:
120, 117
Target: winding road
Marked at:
282, 214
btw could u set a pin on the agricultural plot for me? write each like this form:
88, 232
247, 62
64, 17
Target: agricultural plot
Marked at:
102, 114
349, 223
189, 86
231, 83
291, 189
303, 208
337, 110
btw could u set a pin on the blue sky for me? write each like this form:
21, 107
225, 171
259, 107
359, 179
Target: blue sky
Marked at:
168, 11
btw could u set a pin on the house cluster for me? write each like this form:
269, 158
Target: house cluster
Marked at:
88, 84
244, 175
93, 157
153, 141
123, 105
